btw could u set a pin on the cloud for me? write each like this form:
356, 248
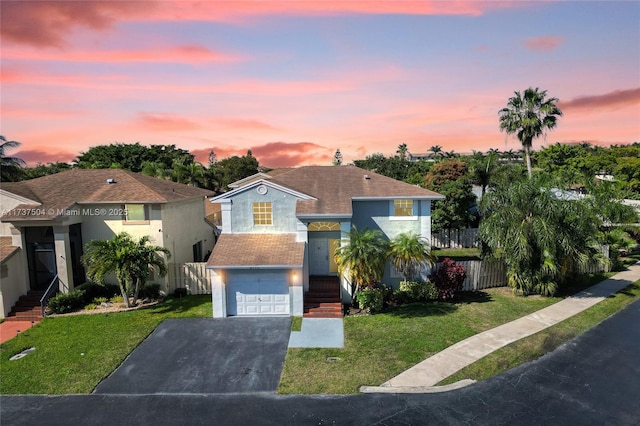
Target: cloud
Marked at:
275, 154
242, 124
44, 156
291, 154
617, 98
50, 23
166, 122
189, 54
545, 43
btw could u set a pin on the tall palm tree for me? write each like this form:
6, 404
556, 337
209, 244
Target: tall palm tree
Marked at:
529, 115
410, 253
11, 166
362, 258
130, 260
541, 237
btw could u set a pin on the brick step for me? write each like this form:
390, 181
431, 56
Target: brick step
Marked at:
318, 300
322, 315
17, 308
332, 304
29, 299
23, 314
35, 319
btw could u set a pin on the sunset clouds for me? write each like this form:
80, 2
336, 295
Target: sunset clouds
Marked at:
294, 81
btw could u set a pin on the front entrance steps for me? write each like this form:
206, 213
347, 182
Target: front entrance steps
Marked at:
27, 308
323, 298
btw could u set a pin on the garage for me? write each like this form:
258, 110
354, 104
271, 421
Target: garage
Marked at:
258, 293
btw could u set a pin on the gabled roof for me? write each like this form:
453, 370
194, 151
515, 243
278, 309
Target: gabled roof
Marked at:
335, 187
264, 250
257, 183
61, 191
6, 248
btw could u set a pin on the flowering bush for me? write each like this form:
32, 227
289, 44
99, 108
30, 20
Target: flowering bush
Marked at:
371, 298
448, 278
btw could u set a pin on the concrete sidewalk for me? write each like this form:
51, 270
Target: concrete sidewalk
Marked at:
423, 376
318, 333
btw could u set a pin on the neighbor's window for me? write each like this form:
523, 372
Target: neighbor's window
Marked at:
136, 213
262, 213
403, 207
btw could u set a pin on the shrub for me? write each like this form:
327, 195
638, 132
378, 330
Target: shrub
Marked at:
117, 299
99, 300
415, 291
93, 290
67, 302
448, 278
371, 299
149, 291
91, 306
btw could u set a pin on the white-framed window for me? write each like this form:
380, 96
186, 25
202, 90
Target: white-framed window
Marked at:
402, 209
136, 213
262, 213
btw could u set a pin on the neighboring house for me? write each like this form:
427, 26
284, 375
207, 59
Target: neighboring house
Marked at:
280, 230
49, 219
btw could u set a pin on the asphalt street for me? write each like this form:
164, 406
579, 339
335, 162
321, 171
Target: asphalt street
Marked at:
592, 380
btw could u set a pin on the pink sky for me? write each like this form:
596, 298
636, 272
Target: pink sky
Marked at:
294, 81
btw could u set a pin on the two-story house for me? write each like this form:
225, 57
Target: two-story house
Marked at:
280, 230
46, 221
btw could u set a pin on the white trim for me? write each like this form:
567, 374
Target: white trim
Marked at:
401, 197
401, 218
20, 198
257, 183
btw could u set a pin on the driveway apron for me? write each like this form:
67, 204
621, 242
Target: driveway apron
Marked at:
222, 355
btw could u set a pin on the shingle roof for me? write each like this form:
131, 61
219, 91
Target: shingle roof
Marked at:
334, 187
6, 249
257, 250
63, 190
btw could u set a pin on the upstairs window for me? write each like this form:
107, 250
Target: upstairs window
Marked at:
262, 213
136, 213
403, 208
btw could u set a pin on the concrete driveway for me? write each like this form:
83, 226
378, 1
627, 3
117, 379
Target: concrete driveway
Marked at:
196, 356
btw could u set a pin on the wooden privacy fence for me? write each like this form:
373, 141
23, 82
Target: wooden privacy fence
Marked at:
455, 238
482, 274
192, 276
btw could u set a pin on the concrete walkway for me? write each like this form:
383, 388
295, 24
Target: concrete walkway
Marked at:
423, 376
10, 329
318, 333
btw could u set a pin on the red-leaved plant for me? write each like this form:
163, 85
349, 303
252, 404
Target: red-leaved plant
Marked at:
448, 278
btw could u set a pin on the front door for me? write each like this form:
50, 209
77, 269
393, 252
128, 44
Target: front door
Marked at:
45, 267
321, 259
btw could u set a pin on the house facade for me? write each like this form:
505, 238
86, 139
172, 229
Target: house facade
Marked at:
280, 230
46, 222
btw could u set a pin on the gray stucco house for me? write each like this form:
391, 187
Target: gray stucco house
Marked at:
280, 229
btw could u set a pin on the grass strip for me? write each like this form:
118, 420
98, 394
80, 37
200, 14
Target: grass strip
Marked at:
535, 346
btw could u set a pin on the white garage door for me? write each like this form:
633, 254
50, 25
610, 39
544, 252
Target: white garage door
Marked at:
263, 293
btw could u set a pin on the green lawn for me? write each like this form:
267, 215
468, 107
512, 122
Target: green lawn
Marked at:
73, 354
533, 347
378, 347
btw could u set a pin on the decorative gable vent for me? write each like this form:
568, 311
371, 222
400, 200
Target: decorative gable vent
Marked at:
262, 189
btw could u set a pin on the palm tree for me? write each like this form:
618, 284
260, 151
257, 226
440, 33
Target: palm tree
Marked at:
529, 115
130, 260
410, 253
436, 151
11, 166
402, 151
483, 168
541, 237
362, 258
